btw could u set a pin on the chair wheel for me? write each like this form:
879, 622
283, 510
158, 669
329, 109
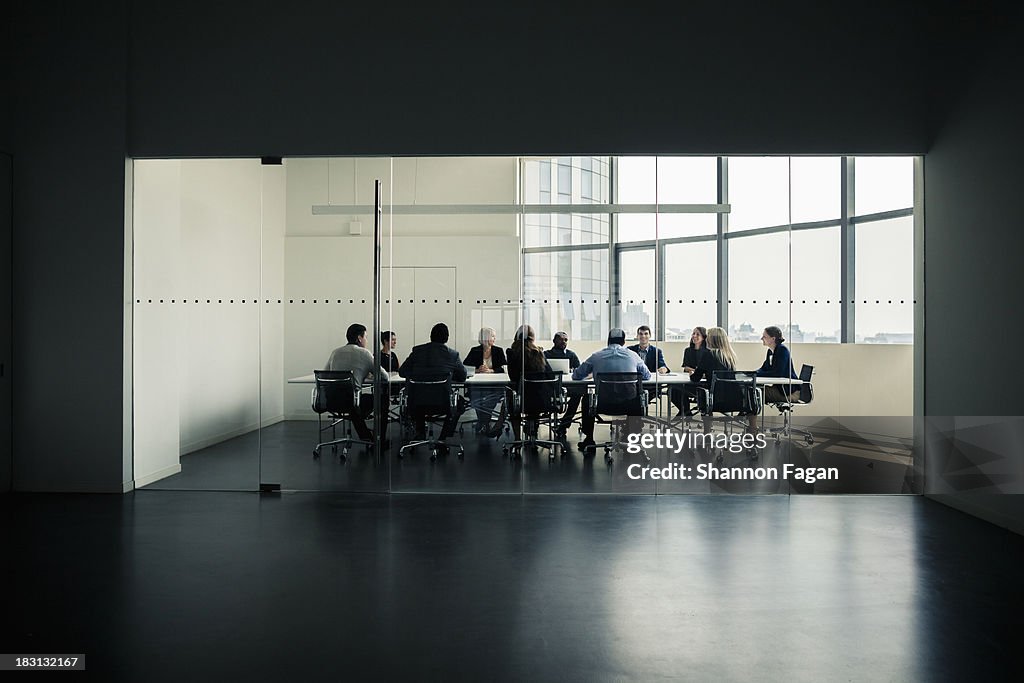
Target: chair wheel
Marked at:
433, 455
316, 453
461, 455
809, 439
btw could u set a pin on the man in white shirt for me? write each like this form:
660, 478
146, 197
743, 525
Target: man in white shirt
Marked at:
356, 357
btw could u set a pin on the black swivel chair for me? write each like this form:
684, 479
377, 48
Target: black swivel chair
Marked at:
337, 396
733, 395
432, 399
542, 399
805, 396
619, 394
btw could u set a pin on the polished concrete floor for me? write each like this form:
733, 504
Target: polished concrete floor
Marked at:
282, 454
160, 585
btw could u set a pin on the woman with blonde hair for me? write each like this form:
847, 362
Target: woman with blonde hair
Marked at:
486, 358
719, 355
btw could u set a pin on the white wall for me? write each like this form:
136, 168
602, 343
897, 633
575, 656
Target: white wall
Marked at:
206, 230
325, 264
157, 233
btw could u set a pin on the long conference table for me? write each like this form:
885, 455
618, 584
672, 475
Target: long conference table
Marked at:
501, 379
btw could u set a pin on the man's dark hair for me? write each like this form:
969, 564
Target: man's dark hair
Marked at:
354, 332
385, 336
439, 333
643, 328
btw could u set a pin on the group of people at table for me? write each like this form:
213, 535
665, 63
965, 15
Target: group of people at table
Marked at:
709, 351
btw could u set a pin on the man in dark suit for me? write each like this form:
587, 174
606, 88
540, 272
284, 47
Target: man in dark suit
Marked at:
650, 354
429, 361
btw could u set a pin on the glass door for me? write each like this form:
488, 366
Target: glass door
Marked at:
317, 279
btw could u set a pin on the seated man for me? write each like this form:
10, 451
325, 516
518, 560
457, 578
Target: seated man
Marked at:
576, 393
432, 359
354, 356
650, 354
613, 358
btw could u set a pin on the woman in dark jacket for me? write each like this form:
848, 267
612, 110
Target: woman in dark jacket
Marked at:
524, 356
683, 396
486, 358
777, 363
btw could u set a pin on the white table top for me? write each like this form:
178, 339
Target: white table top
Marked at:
500, 378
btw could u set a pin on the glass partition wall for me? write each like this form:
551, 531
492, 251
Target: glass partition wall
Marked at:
504, 273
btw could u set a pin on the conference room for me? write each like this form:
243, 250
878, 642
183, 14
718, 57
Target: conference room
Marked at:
247, 274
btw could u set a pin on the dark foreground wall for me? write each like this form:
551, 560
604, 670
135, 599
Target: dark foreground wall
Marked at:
974, 285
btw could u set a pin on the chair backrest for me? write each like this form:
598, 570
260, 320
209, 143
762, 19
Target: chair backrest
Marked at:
429, 393
335, 392
734, 391
619, 393
542, 392
806, 389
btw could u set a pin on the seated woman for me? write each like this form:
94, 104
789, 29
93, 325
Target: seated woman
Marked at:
718, 356
777, 363
486, 358
524, 356
682, 397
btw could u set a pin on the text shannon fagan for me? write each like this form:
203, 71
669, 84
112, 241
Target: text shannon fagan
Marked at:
676, 442
710, 471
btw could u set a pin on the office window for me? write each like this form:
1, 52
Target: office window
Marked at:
816, 188
567, 291
690, 288
758, 192
885, 281
883, 184
637, 287
788, 275
817, 265
759, 284
562, 229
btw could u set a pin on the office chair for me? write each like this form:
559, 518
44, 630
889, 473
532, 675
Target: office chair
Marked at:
732, 394
433, 399
786, 408
542, 400
618, 394
335, 393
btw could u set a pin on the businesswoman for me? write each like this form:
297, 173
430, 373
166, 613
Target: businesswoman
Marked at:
486, 358
682, 397
524, 357
718, 356
777, 363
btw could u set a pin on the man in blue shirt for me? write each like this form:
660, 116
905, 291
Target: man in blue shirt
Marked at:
613, 358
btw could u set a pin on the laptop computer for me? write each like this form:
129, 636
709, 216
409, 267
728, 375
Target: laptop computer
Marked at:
559, 365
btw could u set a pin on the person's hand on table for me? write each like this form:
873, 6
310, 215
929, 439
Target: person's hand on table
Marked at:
662, 370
